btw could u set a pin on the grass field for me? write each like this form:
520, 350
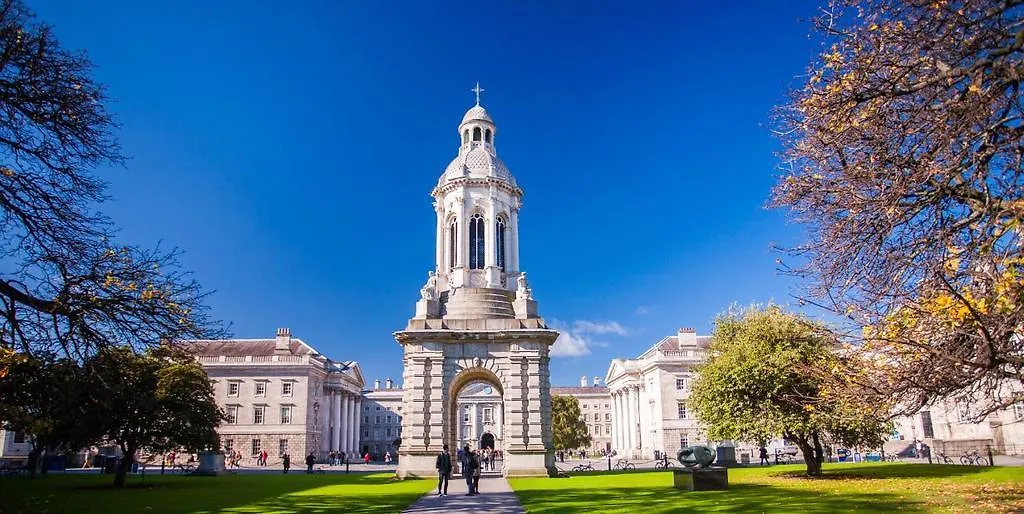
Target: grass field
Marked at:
230, 493
843, 488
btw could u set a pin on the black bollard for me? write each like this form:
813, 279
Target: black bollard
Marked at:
991, 461
346, 466
609, 462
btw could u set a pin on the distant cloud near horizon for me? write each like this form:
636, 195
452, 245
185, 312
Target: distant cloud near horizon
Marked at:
642, 310
574, 340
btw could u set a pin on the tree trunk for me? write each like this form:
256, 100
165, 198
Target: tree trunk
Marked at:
33, 460
810, 459
123, 466
819, 453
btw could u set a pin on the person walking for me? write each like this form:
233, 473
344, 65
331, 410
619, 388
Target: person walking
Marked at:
469, 464
443, 463
764, 457
310, 460
366, 458
387, 457
264, 458
476, 476
286, 461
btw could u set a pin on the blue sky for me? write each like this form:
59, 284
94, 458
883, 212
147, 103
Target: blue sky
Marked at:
290, 147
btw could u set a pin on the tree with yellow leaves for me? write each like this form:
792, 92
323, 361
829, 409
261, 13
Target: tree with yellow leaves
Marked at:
66, 287
903, 155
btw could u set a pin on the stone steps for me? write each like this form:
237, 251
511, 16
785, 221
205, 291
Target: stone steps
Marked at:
479, 303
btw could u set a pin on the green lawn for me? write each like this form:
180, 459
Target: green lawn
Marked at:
230, 493
843, 488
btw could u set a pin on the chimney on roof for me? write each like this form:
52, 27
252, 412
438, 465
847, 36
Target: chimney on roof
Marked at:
687, 337
597, 381
390, 385
376, 384
583, 381
283, 342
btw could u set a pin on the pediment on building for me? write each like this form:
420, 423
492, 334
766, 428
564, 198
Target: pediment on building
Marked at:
616, 369
355, 373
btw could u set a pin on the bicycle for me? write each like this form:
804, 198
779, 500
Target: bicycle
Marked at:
944, 459
625, 465
973, 458
582, 467
185, 468
664, 464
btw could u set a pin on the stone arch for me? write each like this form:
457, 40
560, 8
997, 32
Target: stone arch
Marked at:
477, 372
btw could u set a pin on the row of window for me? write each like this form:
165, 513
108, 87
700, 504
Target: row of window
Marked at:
682, 383
488, 415
259, 414
596, 429
257, 446
376, 419
596, 406
597, 416
478, 135
388, 433
259, 388
477, 249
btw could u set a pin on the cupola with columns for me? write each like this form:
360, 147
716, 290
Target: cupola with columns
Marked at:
476, 200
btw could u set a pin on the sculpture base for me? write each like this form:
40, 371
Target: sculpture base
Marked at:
211, 464
701, 479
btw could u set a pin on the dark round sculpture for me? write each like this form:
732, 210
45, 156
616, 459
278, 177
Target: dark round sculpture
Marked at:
696, 456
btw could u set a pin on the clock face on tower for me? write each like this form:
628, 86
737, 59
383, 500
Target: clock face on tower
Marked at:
488, 390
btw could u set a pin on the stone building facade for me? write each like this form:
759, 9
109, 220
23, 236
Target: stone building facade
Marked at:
595, 410
476, 320
382, 420
281, 395
649, 395
947, 426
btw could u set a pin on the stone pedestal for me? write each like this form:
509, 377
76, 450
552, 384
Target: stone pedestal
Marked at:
701, 479
726, 455
210, 463
427, 309
525, 308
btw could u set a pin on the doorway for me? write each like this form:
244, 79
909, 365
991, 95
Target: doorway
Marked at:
487, 441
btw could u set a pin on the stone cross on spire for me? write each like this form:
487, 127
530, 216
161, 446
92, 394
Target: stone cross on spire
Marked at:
478, 90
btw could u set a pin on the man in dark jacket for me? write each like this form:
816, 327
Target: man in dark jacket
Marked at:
310, 460
444, 471
469, 465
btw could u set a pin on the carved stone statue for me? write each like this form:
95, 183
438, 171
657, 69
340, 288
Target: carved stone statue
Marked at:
523, 291
696, 456
429, 290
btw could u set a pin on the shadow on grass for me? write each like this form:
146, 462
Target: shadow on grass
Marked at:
739, 498
197, 494
888, 471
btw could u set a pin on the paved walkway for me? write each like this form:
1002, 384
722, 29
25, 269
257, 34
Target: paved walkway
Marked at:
496, 497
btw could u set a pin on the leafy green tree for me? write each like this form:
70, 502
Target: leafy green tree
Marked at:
43, 398
157, 401
567, 425
766, 376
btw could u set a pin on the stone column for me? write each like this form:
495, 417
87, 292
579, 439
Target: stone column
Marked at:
439, 252
463, 235
325, 422
490, 257
357, 416
477, 425
335, 420
630, 422
513, 244
346, 421
616, 419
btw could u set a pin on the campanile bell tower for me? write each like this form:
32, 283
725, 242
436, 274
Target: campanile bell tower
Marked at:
476, 319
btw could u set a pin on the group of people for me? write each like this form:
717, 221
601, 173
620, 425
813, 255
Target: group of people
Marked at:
261, 458
582, 454
336, 458
471, 463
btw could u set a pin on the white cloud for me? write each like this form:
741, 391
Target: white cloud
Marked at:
599, 327
642, 310
575, 340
